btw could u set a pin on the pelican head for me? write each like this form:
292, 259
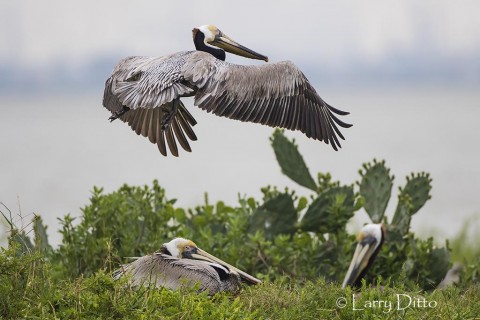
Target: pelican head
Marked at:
208, 36
179, 248
187, 249
369, 239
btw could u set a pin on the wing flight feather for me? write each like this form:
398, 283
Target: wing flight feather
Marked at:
275, 94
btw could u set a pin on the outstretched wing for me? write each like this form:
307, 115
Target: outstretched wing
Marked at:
277, 95
141, 91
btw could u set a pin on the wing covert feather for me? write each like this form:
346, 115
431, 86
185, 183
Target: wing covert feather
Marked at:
146, 82
274, 94
165, 271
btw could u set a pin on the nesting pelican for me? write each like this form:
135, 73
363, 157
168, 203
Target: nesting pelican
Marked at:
370, 240
181, 263
145, 92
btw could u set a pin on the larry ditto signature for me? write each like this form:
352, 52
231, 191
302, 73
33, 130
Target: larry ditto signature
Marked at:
402, 302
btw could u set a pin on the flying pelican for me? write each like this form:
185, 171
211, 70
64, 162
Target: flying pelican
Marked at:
145, 92
180, 262
370, 240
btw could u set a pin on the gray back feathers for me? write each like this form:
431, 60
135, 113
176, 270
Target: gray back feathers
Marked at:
161, 270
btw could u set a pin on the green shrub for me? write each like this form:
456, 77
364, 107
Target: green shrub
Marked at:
279, 235
299, 245
132, 221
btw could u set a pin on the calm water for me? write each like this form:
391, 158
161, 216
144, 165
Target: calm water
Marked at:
53, 149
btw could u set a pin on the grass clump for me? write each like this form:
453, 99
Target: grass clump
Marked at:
29, 289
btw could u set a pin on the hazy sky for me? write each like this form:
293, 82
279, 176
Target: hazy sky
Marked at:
55, 147
45, 32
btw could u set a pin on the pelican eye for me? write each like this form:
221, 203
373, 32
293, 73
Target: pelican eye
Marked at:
368, 240
189, 248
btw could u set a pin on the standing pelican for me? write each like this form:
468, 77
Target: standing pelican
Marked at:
145, 92
370, 240
180, 262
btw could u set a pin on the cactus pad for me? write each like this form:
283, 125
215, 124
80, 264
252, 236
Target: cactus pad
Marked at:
275, 216
376, 189
291, 161
330, 211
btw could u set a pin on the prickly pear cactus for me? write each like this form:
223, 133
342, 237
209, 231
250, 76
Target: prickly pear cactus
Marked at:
411, 198
376, 188
402, 218
418, 188
291, 161
275, 216
330, 211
